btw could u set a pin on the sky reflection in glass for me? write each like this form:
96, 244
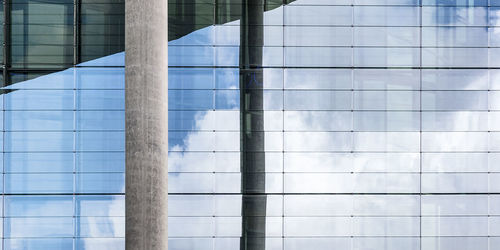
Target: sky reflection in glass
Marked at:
383, 145
371, 146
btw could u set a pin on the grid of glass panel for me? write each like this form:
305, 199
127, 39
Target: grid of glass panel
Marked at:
380, 119
63, 160
62, 122
379, 123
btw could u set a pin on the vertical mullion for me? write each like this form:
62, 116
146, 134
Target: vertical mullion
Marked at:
216, 13
6, 41
6, 37
76, 59
76, 31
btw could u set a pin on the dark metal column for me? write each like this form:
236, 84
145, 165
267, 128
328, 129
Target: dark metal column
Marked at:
146, 96
252, 126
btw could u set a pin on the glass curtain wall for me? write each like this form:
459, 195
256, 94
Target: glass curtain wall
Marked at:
358, 124
62, 124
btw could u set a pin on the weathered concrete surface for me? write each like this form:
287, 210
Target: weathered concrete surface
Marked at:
146, 96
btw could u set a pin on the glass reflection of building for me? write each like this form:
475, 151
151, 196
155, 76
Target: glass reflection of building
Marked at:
307, 124
379, 125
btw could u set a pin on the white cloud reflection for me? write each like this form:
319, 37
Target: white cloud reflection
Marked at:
322, 148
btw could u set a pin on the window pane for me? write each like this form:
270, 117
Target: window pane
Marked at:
39, 120
308, 56
38, 244
454, 16
102, 28
38, 183
318, 100
38, 162
386, 100
455, 57
100, 243
454, 100
318, 15
46, 38
31, 206
386, 36
386, 16
454, 79
386, 79
47, 227
317, 36
38, 141
383, 57
102, 205
454, 37
318, 79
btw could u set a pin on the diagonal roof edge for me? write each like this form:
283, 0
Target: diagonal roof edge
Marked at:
187, 16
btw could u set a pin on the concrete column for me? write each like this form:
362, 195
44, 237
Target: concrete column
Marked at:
146, 96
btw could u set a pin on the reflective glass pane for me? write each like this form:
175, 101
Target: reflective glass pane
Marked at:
386, 100
100, 243
454, 205
318, 79
39, 100
454, 141
454, 226
318, 15
386, 121
101, 227
101, 99
392, 57
386, 16
37, 206
455, 57
455, 121
317, 121
454, 79
454, 100
454, 16
38, 244
454, 37
318, 100
100, 78
38, 183
100, 161
38, 141
100, 141
386, 79
38, 162
317, 36
455, 183
39, 120
386, 36
46, 38
454, 162
47, 227
100, 205
100, 183
102, 28
307, 56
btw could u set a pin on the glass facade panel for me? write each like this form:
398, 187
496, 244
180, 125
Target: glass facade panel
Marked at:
59, 168
45, 39
102, 28
373, 122
293, 125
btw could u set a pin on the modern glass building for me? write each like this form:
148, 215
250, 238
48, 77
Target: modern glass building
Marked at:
62, 124
293, 125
